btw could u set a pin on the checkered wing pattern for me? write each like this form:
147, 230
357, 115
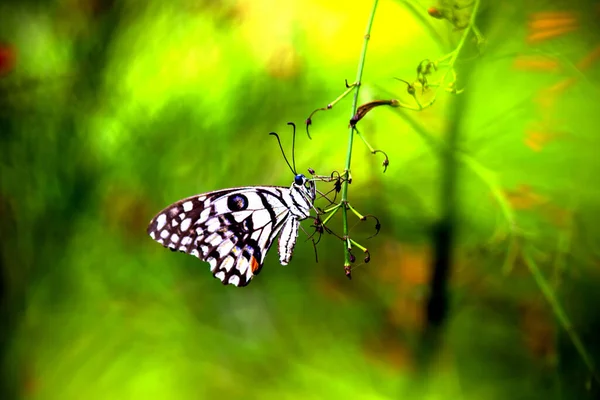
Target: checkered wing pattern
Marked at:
233, 229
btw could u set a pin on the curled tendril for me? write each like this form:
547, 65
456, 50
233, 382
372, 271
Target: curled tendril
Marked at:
386, 162
337, 183
410, 89
309, 119
377, 224
329, 106
318, 226
368, 256
337, 180
315, 247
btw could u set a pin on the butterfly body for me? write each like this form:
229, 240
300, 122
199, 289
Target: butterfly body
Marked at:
233, 229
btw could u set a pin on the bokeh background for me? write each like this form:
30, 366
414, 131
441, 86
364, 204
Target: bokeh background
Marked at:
111, 110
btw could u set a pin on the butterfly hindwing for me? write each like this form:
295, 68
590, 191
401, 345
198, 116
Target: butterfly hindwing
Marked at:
231, 229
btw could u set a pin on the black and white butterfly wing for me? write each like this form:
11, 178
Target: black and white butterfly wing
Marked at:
231, 229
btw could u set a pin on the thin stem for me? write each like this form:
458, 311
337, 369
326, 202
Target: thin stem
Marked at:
359, 215
359, 73
463, 38
341, 96
561, 315
371, 149
355, 243
491, 182
332, 213
453, 56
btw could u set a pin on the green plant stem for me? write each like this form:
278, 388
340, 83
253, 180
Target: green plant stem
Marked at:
359, 73
463, 39
561, 315
453, 56
444, 234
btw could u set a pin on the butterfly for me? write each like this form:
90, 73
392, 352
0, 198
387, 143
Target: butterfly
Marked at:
233, 229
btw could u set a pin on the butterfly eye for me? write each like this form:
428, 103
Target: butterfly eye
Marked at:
299, 179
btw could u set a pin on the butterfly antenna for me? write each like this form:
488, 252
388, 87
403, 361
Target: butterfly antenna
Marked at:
293, 147
283, 152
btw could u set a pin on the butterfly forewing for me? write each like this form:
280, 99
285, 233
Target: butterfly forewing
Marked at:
231, 229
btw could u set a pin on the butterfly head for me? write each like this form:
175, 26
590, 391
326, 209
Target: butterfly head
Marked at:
300, 180
305, 186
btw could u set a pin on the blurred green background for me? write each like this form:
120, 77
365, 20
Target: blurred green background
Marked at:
111, 110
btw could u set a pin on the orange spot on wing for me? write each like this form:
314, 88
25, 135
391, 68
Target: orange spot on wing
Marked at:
254, 264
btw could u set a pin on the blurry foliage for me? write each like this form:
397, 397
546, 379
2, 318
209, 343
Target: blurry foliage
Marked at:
111, 109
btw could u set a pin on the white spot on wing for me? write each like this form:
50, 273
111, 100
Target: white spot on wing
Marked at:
234, 280
187, 206
182, 216
164, 234
195, 253
220, 275
213, 264
203, 216
174, 222
216, 240
161, 220
185, 224
243, 267
186, 240
225, 248
227, 264
213, 225
174, 237
242, 215
249, 273
152, 235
